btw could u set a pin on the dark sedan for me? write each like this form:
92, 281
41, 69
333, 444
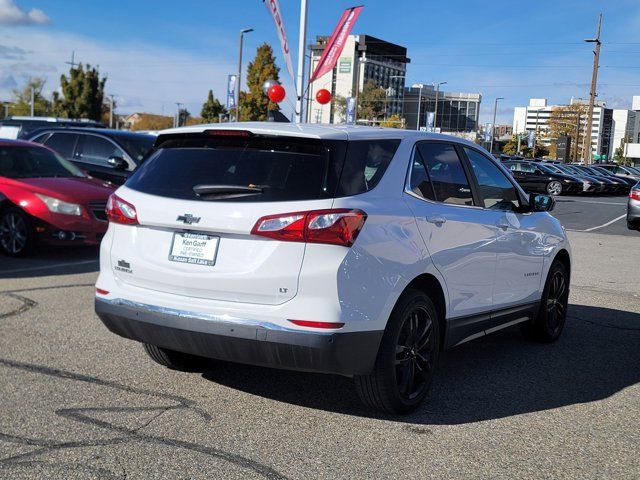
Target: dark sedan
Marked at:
616, 185
535, 177
106, 154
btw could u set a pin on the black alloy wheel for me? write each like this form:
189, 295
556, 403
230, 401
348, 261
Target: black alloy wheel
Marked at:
552, 314
407, 357
16, 234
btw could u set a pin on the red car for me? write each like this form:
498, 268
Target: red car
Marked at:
45, 199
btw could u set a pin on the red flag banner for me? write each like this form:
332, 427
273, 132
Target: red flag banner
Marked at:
335, 45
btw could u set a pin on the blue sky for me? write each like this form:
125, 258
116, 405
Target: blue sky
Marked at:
159, 52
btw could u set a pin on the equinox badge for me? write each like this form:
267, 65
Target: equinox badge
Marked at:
187, 218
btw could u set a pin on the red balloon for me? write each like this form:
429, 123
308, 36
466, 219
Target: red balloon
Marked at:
323, 96
276, 93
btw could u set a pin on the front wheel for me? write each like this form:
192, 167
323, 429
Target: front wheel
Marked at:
16, 233
554, 188
552, 313
407, 357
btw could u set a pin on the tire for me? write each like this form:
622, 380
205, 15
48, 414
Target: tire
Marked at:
180, 361
552, 313
554, 188
410, 345
17, 236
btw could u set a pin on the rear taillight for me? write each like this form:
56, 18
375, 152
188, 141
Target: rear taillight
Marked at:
339, 226
635, 194
121, 211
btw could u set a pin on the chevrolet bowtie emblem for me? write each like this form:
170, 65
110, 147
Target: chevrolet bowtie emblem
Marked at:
187, 218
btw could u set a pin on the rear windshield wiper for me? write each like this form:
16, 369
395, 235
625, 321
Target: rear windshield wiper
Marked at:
226, 191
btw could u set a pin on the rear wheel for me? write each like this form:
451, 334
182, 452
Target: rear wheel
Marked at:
407, 357
183, 362
552, 314
554, 188
16, 233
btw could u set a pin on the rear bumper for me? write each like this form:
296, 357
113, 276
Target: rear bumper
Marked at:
242, 341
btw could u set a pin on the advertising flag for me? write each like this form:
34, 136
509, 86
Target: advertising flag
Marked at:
531, 140
274, 10
430, 117
231, 92
351, 111
336, 42
488, 132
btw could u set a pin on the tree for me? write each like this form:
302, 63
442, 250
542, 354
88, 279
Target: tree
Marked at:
254, 104
82, 94
150, 121
371, 101
211, 109
21, 103
511, 147
394, 121
564, 121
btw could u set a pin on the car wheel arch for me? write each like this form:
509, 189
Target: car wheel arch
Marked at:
563, 256
431, 286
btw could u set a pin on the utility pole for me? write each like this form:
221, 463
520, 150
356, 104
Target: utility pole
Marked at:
575, 147
301, 58
239, 79
493, 128
420, 86
177, 122
33, 101
73, 60
435, 113
592, 93
110, 111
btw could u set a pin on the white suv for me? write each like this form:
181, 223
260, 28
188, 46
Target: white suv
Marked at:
357, 251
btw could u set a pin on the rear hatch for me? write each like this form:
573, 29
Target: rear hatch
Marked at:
197, 198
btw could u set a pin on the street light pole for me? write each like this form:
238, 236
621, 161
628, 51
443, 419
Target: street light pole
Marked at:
33, 101
592, 93
493, 127
435, 114
239, 79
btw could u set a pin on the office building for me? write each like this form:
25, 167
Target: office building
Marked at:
457, 112
364, 58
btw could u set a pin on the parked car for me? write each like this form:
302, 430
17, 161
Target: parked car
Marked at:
535, 177
633, 208
618, 185
106, 154
630, 183
17, 127
349, 250
45, 199
602, 186
622, 170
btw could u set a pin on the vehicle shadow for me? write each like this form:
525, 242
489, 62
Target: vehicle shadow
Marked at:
494, 377
50, 261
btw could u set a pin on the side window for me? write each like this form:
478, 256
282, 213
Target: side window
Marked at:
420, 182
525, 167
365, 163
98, 150
512, 166
63, 143
40, 138
495, 189
443, 166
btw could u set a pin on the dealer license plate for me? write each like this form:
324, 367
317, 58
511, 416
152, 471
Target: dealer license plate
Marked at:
195, 248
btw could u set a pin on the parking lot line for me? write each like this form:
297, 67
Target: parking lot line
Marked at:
591, 201
48, 267
600, 226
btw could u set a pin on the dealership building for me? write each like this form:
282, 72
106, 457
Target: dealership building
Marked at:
364, 58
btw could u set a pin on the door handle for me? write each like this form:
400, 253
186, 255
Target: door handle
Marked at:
436, 219
464, 190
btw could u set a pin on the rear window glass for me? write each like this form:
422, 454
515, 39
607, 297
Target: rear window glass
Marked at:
260, 168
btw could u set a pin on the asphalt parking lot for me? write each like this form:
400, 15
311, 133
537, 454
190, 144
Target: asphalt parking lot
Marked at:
79, 402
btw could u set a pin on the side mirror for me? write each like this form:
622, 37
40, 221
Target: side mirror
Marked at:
118, 163
541, 203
